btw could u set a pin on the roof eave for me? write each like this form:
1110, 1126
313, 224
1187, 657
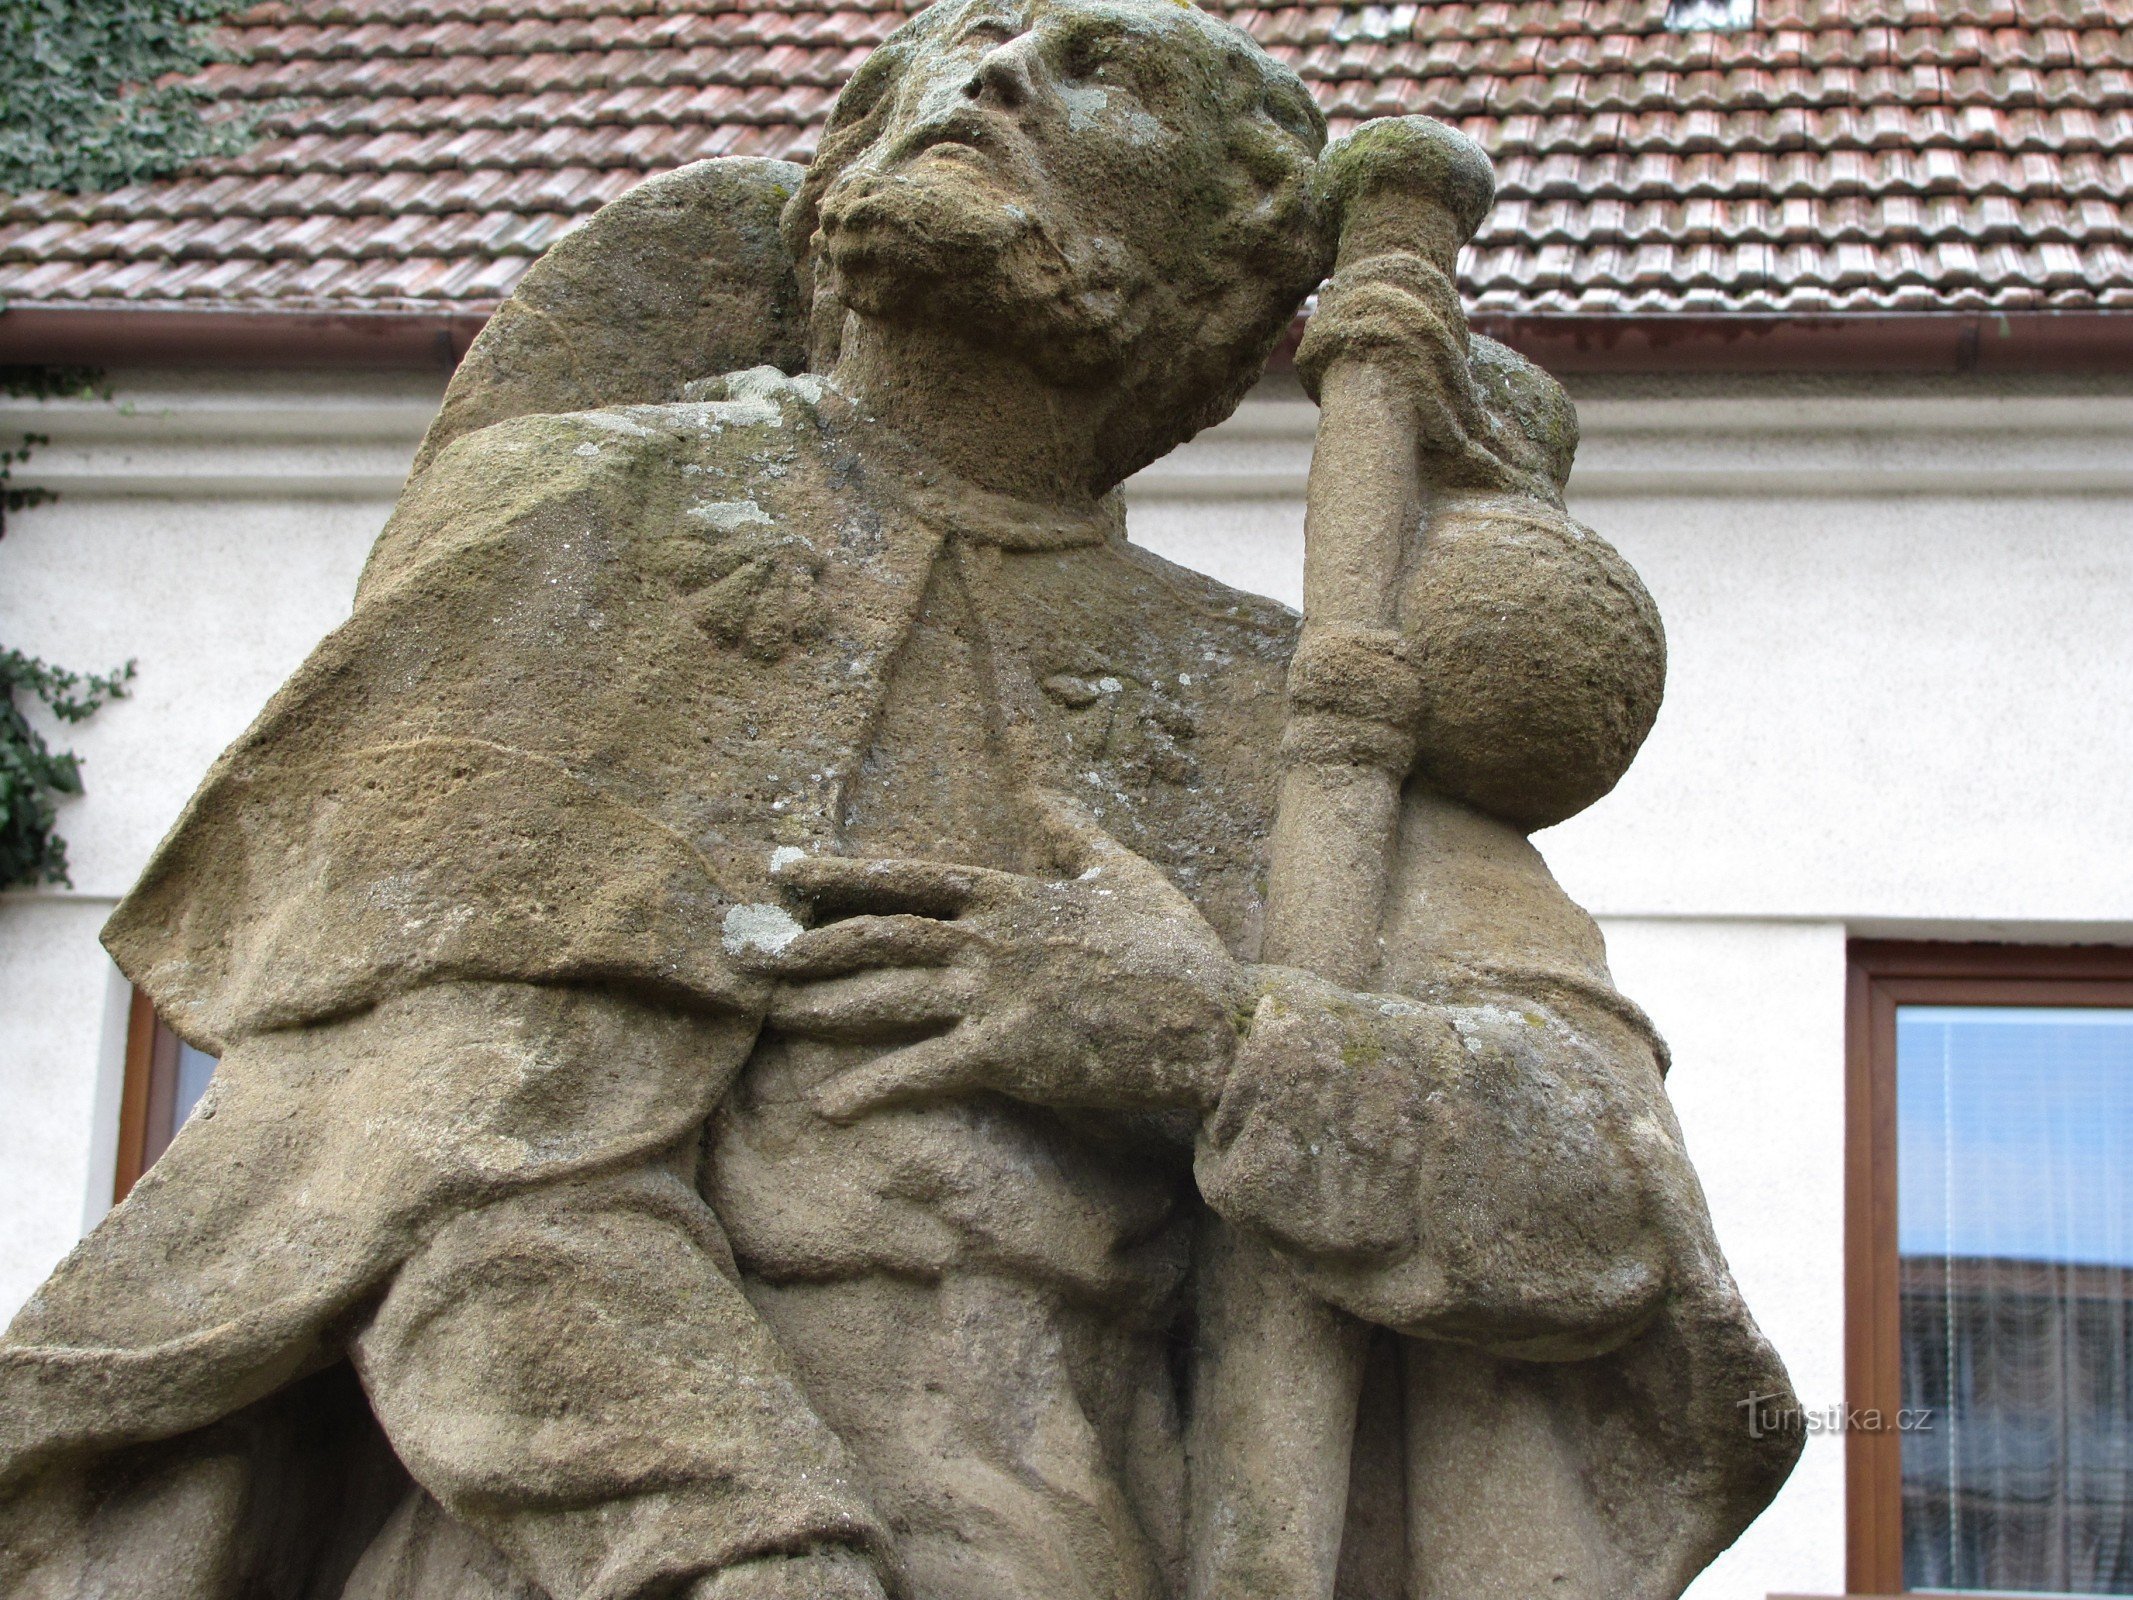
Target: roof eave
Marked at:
1859, 341
235, 336
415, 339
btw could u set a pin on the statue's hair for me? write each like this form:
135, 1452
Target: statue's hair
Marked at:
1218, 320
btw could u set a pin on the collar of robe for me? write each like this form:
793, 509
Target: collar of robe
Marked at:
961, 509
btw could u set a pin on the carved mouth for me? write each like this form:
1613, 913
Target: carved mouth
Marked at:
965, 133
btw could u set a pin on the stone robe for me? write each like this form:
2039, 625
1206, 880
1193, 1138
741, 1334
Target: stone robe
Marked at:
498, 1128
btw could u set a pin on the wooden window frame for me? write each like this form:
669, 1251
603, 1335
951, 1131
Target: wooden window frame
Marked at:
148, 1099
1884, 974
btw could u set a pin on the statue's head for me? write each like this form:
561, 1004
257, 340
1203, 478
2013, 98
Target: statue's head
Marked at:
1120, 192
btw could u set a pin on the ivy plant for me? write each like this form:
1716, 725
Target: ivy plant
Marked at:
93, 94
37, 383
32, 774
88, 96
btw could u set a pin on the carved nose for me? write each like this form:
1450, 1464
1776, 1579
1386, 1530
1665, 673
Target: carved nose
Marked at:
1003, 75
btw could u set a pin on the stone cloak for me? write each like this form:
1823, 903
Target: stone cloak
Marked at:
511, 766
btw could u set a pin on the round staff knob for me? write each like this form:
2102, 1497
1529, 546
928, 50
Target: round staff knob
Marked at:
1406, 183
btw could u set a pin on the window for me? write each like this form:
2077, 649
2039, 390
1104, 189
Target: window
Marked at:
1710, 16
165, 1078
1990, 1269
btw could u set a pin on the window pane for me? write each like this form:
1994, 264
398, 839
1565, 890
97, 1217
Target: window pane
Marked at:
2014, 1145
195, 1067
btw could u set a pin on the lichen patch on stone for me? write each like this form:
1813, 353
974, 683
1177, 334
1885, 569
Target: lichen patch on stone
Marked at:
763, 928
729, 516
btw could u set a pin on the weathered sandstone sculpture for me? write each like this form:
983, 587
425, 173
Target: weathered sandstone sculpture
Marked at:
800, 1019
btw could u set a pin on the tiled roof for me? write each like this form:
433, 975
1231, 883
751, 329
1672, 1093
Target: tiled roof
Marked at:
1837, 155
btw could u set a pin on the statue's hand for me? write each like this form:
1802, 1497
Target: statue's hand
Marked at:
819, 1575
1104, 989
1401, 314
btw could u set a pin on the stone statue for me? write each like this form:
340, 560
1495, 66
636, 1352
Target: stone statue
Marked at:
800, 1019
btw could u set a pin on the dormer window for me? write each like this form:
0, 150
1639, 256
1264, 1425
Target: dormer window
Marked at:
1709, 16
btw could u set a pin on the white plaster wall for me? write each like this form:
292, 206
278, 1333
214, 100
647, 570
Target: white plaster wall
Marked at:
1898, 657
216, 600
1906, 709
211, 530
1754, 1014
54, 998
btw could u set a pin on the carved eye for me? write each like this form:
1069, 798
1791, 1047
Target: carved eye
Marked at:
987, 33
1090, 55
1294, 119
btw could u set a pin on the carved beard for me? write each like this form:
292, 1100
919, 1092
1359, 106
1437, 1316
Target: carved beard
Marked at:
937, 242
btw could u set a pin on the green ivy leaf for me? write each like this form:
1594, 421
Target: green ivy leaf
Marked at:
32, 772
90, 96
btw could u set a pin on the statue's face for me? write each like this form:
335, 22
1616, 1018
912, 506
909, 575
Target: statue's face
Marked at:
1042, 163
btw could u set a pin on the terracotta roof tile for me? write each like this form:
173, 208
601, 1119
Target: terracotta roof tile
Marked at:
1837, 155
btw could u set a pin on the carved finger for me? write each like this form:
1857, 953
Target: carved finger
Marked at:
859, 944
1078, 840
1086, 851
872, 1005
964, 1059
839, 886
